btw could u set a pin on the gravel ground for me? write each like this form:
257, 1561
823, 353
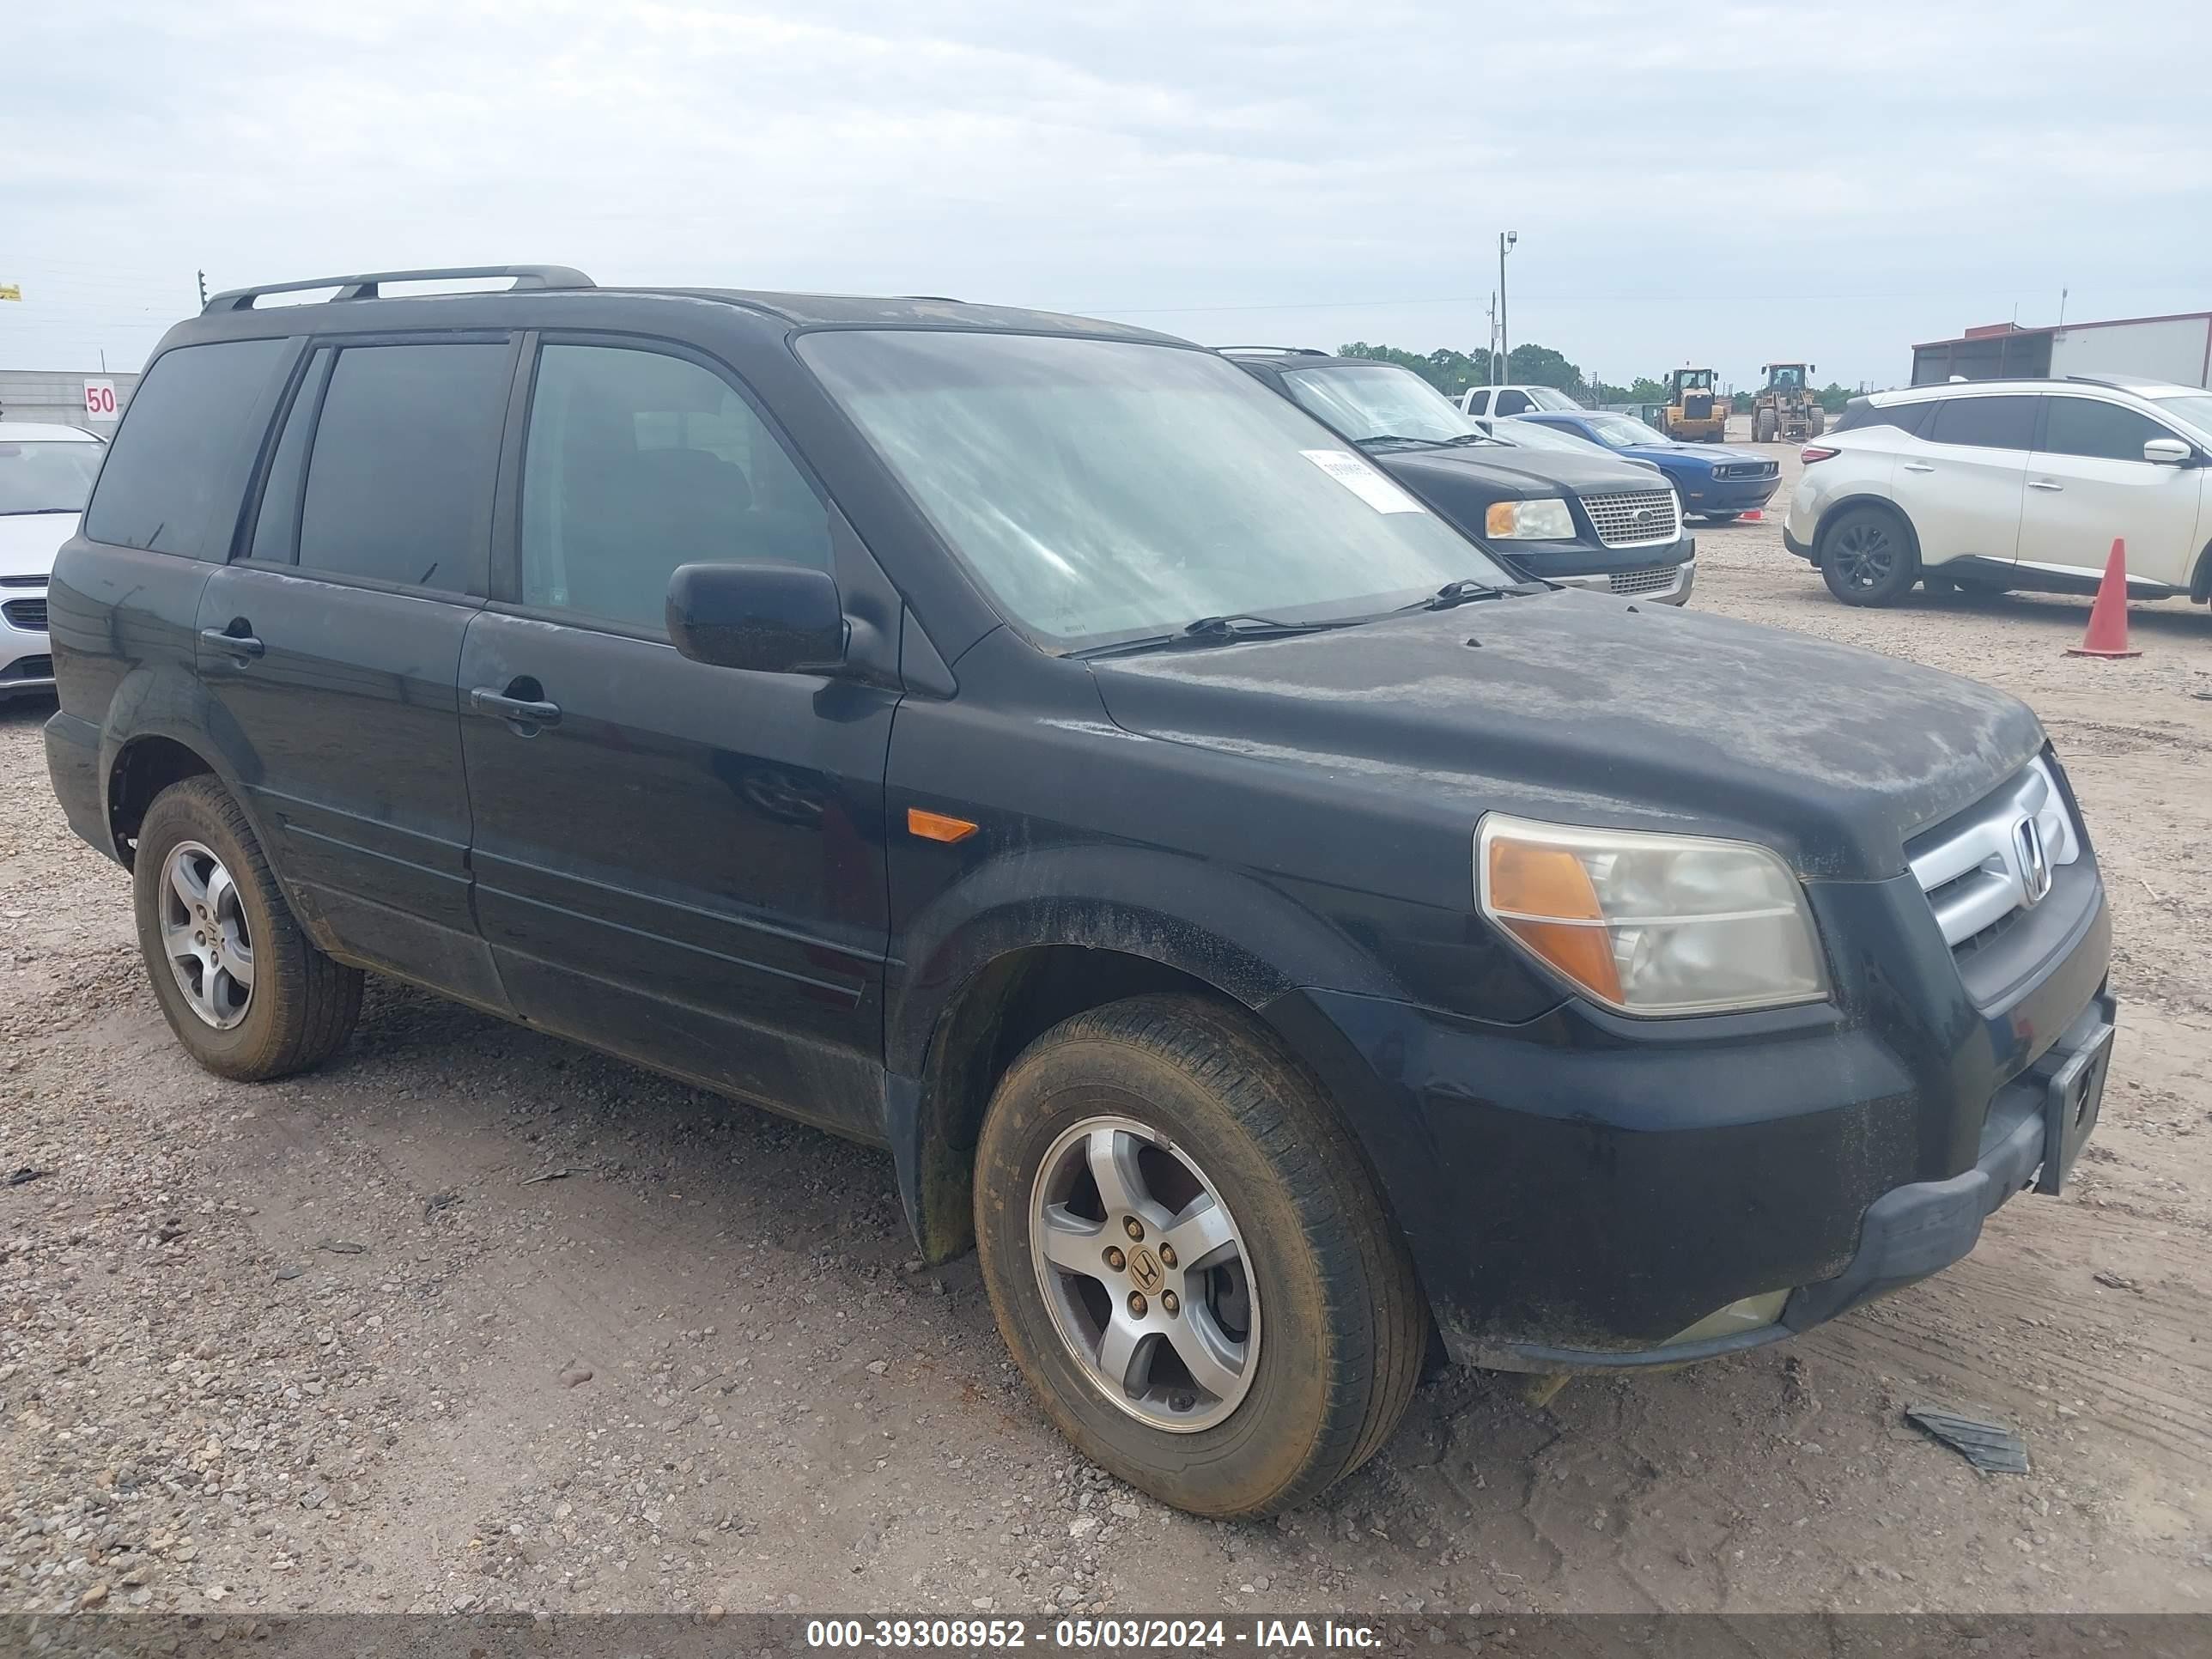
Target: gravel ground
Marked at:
330, 1344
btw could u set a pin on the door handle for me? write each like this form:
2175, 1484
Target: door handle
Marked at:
521, 711
240, 646
1918, 467
2044, 483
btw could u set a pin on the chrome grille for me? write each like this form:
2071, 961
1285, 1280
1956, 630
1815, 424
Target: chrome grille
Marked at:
1635, 518
1651, 579
26, 613
1979, 871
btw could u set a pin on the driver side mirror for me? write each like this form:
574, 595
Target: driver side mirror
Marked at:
771, 618
2167, 451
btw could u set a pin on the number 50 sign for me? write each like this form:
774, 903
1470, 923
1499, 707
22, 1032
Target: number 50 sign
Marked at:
100, 400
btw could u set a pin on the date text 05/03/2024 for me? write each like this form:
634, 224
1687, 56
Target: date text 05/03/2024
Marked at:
1259, 1636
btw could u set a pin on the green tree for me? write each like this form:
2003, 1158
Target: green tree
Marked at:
1539, 365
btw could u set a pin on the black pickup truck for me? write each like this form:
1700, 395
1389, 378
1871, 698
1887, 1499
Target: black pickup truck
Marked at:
1278, 938
1576, 516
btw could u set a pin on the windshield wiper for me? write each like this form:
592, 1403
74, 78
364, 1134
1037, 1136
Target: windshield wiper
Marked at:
1400, 438
1474, 438
1218, 630
33, 512
1465, 591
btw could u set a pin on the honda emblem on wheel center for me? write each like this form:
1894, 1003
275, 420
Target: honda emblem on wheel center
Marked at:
1145, 1271
2035, 862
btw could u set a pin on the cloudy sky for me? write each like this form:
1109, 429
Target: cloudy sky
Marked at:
1727, 182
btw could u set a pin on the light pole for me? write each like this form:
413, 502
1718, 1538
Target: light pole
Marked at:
1505, 241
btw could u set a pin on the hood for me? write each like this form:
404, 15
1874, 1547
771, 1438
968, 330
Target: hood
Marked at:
1507, 474
28, 541
1589, 709
1661, 454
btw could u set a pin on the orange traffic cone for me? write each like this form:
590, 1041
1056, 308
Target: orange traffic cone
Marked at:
2107, 635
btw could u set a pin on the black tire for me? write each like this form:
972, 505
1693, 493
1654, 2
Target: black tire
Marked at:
1867, 557
1343, 1328
1762, 428
301, 1005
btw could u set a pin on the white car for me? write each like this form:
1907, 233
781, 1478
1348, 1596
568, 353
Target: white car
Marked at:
46, 475
1996, 484
1484, 401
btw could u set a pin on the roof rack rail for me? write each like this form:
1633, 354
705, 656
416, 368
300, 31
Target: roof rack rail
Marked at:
1286, 351
2099, 379
366, 285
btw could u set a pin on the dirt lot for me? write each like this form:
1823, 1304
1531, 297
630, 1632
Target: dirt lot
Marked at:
325, 1344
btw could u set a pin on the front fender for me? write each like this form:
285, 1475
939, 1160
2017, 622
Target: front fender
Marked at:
1217, 925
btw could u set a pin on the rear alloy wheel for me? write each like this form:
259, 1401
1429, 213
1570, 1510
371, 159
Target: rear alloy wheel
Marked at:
1189, 1260
1867, 559
244, 989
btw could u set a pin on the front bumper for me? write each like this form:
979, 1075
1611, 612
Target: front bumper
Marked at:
1658, 583
1663, 572
1583, 1191
27, 662
1730, 494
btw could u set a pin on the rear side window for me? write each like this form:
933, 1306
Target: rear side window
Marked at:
170, 479
638, 462
1985, 422
399, 483
2084, 426
1513, 403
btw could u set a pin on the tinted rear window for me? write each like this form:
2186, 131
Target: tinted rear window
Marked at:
1985, 422
172, 475
399, 487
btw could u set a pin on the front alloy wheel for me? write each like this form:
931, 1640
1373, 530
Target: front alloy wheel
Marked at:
1190, 1260
1144, 1272
1866, 559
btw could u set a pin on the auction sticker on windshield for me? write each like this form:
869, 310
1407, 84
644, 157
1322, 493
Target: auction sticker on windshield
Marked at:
1363, 481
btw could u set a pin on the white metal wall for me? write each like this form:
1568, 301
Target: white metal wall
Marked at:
30, 394
2169, 350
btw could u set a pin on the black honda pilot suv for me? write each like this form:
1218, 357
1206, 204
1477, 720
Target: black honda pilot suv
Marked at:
1274, 935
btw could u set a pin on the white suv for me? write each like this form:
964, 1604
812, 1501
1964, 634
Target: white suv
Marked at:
1998, 484
1486, 402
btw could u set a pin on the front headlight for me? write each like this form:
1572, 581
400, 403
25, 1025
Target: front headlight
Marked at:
1547, 520
1651, 924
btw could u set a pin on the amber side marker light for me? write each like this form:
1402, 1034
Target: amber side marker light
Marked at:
938, 826
1544, 896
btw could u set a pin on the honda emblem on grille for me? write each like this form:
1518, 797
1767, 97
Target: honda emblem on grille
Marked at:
2035, 862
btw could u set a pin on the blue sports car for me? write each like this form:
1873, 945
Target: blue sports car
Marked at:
1716, 484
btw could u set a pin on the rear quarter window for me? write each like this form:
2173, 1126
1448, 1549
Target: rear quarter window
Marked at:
174, 473
1992, 422
1911, 419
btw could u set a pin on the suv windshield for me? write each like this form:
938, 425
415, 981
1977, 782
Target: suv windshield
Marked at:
1382, 402
1620, 431
1106, 490
2196, 410
46, 475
